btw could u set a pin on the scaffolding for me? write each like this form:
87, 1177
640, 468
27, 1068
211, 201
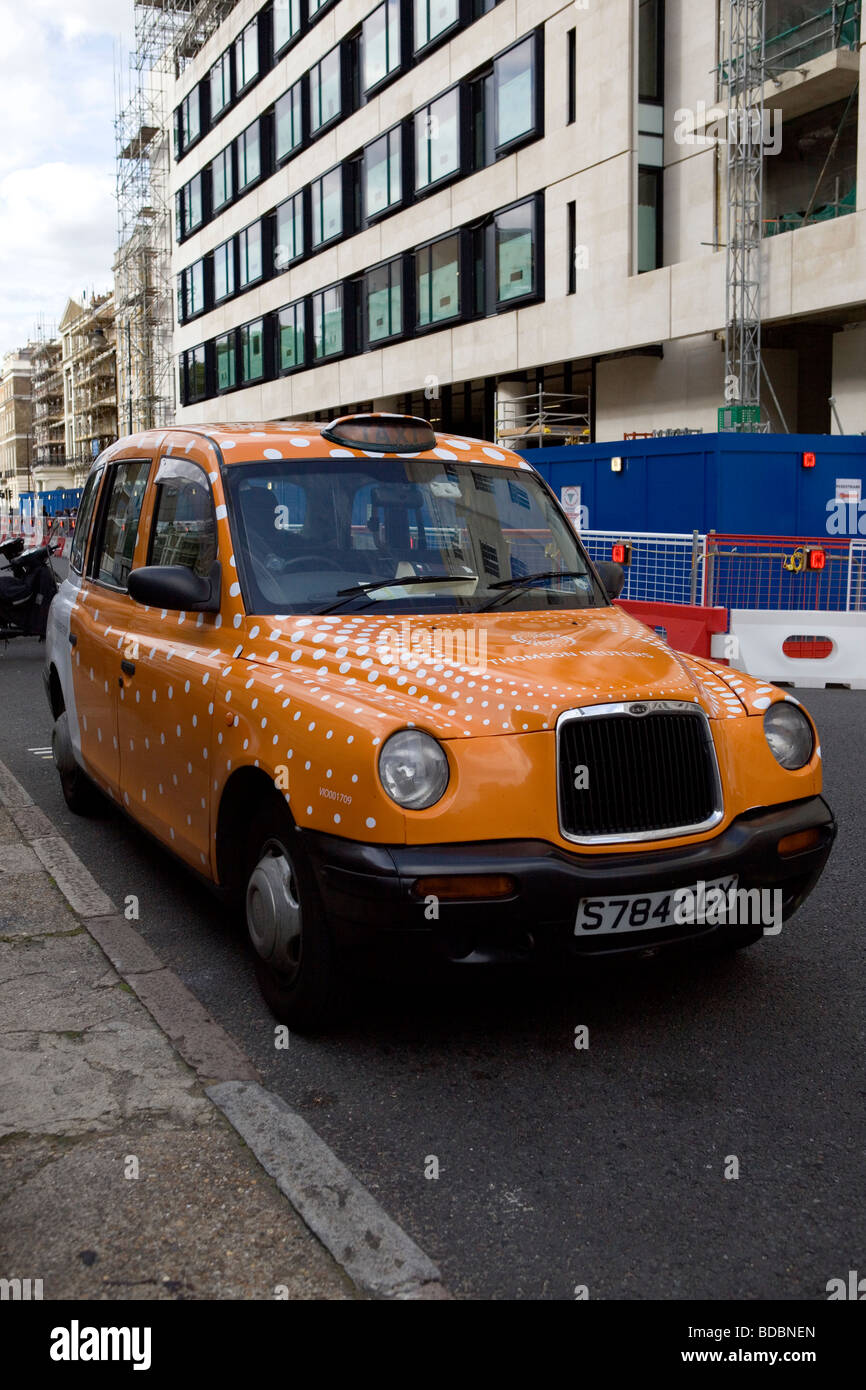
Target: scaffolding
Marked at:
168, 34
201, 20
142, 266
46, 384
744, 75
543, 418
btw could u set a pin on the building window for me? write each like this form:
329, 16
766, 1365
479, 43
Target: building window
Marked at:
504, 102
194, 204
571, 78
315, 7
328, 333
571, 214
247, 55
195, 374
649, 220
291, 337
437, 140
221, 84
249, 147
383, 178
432, 18
194, 279
325, 90
226, 362
515, 251
222, 179
189, 208
253, 351
650, 50
650, 135
437, 281
380, 43
289, 232
224, 271
326, 198
383, 293
189, 122
289, 122
250, 255
287, 22
514, 83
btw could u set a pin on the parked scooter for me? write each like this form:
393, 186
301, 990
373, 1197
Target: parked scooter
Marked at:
27, 586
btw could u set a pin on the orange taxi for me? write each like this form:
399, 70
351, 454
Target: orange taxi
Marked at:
365, 679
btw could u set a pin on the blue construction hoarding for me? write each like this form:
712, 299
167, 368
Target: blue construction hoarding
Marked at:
737, 484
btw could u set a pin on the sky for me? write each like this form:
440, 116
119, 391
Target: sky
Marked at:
57, 210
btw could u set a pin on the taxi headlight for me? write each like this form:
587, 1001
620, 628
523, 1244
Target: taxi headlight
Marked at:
789, 734
413, 769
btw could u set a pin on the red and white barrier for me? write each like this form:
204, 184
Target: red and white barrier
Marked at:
804, 648
688, 629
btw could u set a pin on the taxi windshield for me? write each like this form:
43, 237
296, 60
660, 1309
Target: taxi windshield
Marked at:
359, 533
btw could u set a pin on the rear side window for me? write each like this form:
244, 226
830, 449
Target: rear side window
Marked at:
127, 488
184, 524
85, 516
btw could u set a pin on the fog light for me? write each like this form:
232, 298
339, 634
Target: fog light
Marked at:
795, 844
465, 886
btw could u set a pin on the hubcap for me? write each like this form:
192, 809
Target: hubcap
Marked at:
274, 910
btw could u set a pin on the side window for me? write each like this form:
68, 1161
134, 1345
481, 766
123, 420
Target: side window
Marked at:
85, 517
127, 487
184, 525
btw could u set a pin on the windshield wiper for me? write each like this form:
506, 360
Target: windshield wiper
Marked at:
526, 582
369, 586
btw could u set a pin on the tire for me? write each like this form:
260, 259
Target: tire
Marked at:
80, 794
293, 949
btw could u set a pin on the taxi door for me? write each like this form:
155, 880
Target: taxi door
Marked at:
98, 620
166, 709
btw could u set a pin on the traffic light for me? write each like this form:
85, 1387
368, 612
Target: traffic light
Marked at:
621, 554
809, 460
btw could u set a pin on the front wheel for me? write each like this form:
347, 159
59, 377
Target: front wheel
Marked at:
294, 952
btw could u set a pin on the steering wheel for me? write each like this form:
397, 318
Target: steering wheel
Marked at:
310, 561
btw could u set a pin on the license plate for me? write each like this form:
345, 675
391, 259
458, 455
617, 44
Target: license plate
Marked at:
645, 911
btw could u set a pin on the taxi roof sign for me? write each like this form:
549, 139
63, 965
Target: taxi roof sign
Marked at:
394, 434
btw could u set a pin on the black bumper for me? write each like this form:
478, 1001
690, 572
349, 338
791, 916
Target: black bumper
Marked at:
367, 890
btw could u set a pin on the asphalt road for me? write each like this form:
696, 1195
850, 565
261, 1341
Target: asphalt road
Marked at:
560, 1167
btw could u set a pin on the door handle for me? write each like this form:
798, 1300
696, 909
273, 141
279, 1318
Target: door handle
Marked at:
128, 668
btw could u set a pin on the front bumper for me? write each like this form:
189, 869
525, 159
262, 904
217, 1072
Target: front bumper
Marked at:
367, 889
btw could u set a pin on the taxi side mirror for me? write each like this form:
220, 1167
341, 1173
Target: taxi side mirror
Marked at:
612, 577
177, 588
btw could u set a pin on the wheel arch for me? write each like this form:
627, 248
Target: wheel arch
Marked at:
55, 691
246, 790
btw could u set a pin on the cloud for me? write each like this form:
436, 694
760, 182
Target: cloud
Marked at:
57, 237
57, 100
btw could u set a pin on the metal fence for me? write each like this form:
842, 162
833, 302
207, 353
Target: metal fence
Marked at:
727, 571
38, 529
665, 568
773, 572
856, 596
837, 26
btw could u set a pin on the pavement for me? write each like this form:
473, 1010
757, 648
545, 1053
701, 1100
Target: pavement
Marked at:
141, 1156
